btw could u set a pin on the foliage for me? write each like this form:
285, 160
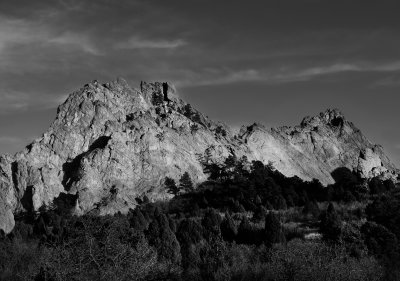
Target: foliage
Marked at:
163, 239
185, 183
171, 186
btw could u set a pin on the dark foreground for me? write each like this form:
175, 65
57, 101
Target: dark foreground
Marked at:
248, 222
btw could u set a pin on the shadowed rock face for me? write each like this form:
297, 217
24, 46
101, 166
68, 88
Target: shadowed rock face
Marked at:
111, 144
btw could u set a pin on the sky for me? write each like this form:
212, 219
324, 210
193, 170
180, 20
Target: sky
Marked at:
240, 62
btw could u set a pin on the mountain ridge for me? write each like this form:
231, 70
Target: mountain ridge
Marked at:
111, 144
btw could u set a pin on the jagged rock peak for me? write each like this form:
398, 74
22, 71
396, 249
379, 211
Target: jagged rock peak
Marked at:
332, 117
165, 89
120, 93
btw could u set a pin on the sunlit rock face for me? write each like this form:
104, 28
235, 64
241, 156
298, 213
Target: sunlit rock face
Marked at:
110, 145
318, 146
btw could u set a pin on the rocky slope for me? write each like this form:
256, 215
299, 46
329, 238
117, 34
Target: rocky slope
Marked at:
111, 144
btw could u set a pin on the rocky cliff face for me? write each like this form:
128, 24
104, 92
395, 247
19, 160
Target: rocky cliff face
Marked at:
111, 144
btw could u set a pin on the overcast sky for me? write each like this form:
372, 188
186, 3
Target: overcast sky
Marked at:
272, 62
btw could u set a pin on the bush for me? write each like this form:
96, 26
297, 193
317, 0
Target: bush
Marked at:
20, 259
380, 241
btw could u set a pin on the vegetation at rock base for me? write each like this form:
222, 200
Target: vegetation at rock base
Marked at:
171, 186
185, 183
242, 224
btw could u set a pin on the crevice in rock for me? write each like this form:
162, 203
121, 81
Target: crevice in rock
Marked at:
130, 117
165, 91
26, 199
71, 168
14, 171
65, 203
101, 143
29, 147
337, 122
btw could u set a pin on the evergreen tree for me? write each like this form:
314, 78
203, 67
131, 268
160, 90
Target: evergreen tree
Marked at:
311, 207
273, 230
230, 164
211, 223
213, 170
280, 203
269, 206
195, 211
376, 186
259, 214
257, 200
228, 228
245, 232
171, 187
380, 241
185, 182
189, 232
331, 224
163, 239
137, 220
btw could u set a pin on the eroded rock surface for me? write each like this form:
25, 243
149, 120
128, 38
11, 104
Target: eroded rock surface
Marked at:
111, 144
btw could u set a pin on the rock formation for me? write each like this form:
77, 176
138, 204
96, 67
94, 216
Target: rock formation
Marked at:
110, 145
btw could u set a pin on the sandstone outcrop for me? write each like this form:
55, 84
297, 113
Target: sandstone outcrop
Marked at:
110, 145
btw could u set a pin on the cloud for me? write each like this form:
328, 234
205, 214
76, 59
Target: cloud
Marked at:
218, 77
17, 31
280, 74
25, 33
140, 43
76, 40
14, 101
321, 70
310, 73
